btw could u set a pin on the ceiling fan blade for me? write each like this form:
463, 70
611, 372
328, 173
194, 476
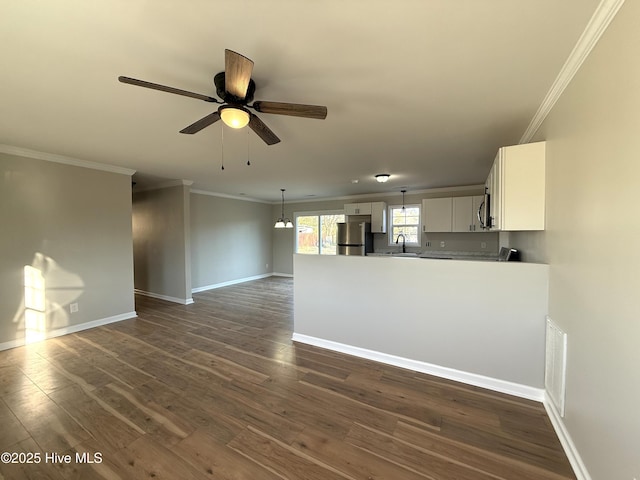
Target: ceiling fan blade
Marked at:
237, 72
262, 130
202, 123
293, 109
164, 88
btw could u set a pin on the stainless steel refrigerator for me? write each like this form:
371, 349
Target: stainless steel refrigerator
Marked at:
355, 238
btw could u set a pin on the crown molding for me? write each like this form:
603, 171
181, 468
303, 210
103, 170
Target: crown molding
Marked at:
232, 197
52, 157
167, 184
439, 190
396, 193
602, 17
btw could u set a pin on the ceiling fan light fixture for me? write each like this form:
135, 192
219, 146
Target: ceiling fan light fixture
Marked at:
382, 177
234, 117
236, 88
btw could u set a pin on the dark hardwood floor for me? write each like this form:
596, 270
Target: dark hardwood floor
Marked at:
217, 390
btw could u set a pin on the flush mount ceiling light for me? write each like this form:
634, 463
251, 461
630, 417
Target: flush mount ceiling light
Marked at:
382, 177
283, 222
234, 117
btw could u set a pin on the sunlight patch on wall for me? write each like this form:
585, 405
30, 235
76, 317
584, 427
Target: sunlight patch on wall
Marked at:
35, 326
49, 290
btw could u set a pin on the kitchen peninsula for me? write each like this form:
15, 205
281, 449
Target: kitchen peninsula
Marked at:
478, 322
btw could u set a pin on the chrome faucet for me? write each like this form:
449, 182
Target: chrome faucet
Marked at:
404, 248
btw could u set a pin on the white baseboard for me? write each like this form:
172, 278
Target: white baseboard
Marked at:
72, 329
569, 447
181, 301
230, 282
497, 385
277, 274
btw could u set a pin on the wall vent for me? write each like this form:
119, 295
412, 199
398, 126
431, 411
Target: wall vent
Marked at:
556, 365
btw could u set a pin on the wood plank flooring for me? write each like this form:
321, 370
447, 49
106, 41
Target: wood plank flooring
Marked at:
217, 390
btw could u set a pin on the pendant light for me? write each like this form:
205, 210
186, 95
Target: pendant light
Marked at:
282, 221
403, 192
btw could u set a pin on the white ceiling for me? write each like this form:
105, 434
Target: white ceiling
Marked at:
426, 90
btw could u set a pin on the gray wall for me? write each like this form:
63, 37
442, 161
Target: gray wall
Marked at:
72, 224
161, 240
591, 244
284, 240
230, 239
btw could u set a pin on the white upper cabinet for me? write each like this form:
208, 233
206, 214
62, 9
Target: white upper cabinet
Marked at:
516, 185
378, 217
437, 214
465, 214
357, 209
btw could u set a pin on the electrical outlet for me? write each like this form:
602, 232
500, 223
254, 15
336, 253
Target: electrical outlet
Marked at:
266, 265
73, 308
442, 244
483, 244
428, 244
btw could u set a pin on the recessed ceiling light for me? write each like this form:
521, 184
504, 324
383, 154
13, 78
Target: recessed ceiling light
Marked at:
382, 177
355, 180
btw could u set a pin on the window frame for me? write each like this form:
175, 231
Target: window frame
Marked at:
319, 214
390, 224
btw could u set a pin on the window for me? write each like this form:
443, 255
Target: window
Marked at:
317, 233
406, 221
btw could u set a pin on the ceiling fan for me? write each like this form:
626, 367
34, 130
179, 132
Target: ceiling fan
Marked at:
236, 88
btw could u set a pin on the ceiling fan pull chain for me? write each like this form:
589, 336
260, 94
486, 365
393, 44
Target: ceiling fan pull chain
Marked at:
248, 157
222, 146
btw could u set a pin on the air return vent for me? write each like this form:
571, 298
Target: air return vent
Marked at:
555, 365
